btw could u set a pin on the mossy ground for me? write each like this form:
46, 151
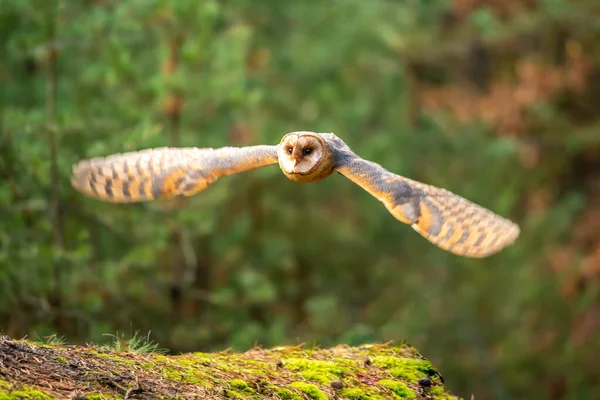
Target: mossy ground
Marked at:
379, 371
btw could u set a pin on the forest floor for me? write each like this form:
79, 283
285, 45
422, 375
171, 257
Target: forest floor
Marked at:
31, 370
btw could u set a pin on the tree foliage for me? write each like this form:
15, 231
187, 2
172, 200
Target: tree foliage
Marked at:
494, 100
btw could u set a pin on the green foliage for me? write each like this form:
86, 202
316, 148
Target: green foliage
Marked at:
257, 259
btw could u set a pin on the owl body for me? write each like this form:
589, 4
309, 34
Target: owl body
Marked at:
442, 217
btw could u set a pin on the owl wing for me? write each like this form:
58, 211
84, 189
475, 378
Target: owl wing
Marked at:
164, 172
444, 218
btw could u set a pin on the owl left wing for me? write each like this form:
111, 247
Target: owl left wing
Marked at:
164, 172
442, 217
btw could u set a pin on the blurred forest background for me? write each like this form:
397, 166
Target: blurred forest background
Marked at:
496, 100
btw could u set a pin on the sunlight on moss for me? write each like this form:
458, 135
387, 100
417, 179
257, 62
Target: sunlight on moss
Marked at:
406, 368
328, 369
241, 386
284, 394
315, 376
310, 390
398, 388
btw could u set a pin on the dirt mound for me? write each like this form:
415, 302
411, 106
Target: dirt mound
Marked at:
31, 370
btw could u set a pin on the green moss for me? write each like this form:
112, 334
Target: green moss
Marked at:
328, 369
22, 392
399, 388
98, 396
235, 363
232, 394
179, 369
284, 394
184, 375
111, 356
191, 368
315, 376
360, 394
407, 368
241, 386
310, 390
407, 374
439, 393
355, 394
61, 360
201, 357
25, 393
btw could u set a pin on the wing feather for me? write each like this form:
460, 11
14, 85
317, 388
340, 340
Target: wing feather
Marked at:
164, 172
442, 217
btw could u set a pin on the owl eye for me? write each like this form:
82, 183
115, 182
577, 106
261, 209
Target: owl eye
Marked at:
289, 149
307, 151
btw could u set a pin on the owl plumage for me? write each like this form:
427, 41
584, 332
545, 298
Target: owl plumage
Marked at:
164, 172
442, 217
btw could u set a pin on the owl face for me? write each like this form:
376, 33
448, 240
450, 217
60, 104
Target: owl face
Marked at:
300, 153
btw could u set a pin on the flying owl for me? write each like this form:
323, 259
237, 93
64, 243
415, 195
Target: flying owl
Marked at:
444, 218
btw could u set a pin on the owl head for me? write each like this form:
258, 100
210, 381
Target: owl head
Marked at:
304, 157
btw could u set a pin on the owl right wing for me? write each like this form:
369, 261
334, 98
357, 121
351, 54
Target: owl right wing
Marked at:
164, 172
442, 217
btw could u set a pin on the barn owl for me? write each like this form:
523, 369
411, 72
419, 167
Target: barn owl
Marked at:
444, 218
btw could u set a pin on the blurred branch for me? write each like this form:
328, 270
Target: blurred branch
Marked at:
51, 87
182, 252
51, 128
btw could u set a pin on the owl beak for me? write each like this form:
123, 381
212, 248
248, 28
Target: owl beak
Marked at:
297, 154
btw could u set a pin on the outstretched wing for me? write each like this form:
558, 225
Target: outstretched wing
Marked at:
164, 172
444, 218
